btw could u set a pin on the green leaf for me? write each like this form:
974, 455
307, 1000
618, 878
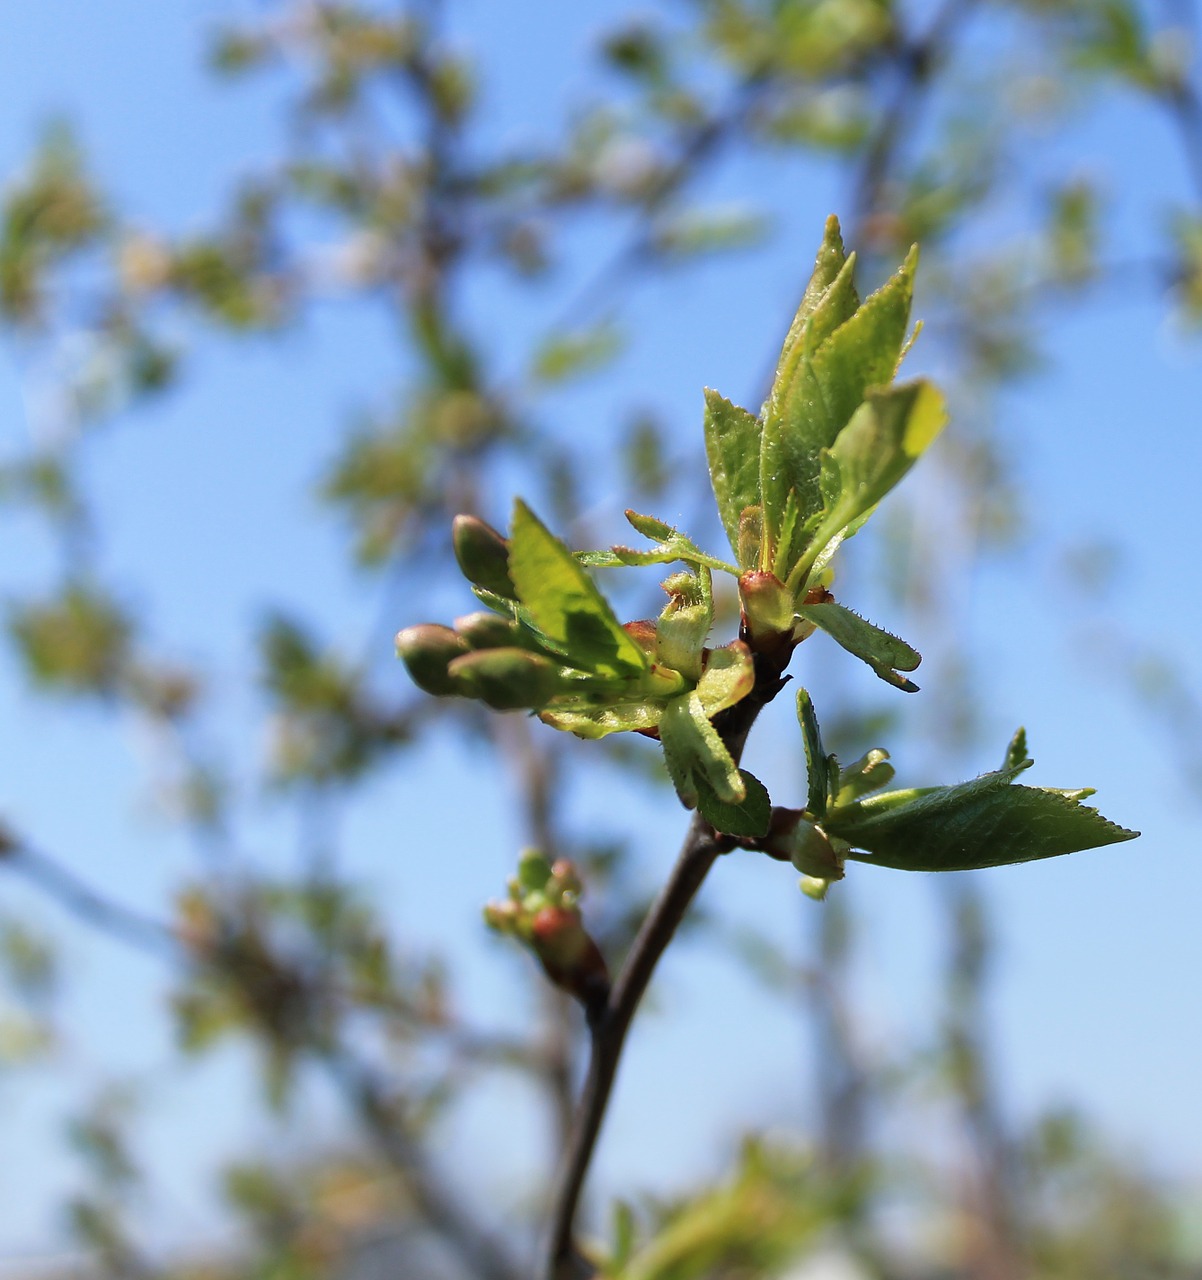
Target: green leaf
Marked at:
988, 822
884, 653
869, 773
672, 545
728, 677
569, 355
748, 817
696, 755
824, 376
732, 445
887, 434
563, 602
632, 715
1016, 751
818, 763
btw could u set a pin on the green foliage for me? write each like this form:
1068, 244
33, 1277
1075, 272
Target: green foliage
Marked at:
833, 441
76, 642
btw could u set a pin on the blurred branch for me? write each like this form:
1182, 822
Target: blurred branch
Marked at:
917, 63
610, 1021
438, 1206
84, 902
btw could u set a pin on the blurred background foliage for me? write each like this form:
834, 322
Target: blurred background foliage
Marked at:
925, 122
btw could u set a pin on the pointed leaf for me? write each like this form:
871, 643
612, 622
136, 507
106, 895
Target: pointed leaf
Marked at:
747, 817
987, 822
563, 602
818, 763
885, 437
732, 445
1016, 752
869, 773
884, 653
672, 545
826, 384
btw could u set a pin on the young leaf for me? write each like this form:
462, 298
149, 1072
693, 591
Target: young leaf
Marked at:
823, 385
732, 445
672, 545
818, 763
869, 773
563, 602
988, 822
685, 622
885, 437
632, 715
696, 755
728, 677
747, 817
884, 653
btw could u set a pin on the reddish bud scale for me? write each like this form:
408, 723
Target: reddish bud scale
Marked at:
570, 958
767, 612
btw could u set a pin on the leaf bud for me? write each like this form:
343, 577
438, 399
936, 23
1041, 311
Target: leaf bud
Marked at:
507, 679
486, 630
569, 956
813, 855
767, 610
427, 650
483, 555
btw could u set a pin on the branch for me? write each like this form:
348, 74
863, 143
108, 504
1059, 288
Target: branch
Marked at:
436, 1205
84, 902
610, 1022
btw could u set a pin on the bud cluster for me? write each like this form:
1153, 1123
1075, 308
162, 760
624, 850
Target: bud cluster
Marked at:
543, 912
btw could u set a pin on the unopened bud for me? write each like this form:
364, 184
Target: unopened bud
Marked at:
767, 610
485, 630
507, 679
569, 956
427, 650
813, 855
483, 555
502, 916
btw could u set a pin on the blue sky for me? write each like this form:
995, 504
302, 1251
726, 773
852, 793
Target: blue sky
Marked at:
208, 508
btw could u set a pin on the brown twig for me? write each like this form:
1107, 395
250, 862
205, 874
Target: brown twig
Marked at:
438, 1207
610, 1019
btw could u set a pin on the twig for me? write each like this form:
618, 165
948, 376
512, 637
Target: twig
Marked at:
84, 902
610, 1022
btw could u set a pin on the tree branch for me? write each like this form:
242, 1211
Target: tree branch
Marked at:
610, 1021
437, 1206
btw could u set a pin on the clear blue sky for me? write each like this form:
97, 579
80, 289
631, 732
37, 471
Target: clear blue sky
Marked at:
208, 509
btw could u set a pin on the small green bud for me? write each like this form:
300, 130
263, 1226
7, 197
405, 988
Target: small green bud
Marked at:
427, 650
486, 630
483, 555
533, 871
813, 855
507, 679
814, 887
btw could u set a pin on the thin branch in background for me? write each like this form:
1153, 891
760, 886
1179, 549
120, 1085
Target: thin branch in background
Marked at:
86, 904
442, 1210
610, 1020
